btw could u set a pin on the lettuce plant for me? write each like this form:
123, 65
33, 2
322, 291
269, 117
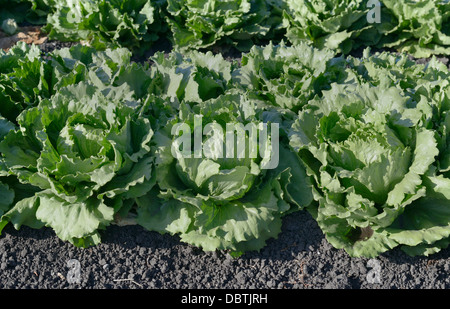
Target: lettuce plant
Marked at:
287, 77
212, 197
337, 25
414, 101
424, 228
27, 77
87, 152
22, 79
417, 27
367, 154
201, 24
133, 24
192, 76
216, 202
9, 26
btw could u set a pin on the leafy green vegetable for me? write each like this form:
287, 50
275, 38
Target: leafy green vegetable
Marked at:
425, 228
417, 27
193, 76
26, 78
216, 199
201, 24
367, 158
89, 154
133, 24
22, 78
406, 104
287, 77
337, 25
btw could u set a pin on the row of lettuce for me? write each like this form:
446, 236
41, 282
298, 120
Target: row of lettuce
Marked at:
86, 139
418, 27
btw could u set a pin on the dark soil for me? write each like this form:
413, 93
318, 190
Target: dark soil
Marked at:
50, 46
132, 258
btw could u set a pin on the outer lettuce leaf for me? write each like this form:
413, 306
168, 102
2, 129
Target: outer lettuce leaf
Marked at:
11, 190
7, 198
111, 67
424, 227
40, 9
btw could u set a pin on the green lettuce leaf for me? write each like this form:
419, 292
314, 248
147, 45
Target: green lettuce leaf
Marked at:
424, 227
